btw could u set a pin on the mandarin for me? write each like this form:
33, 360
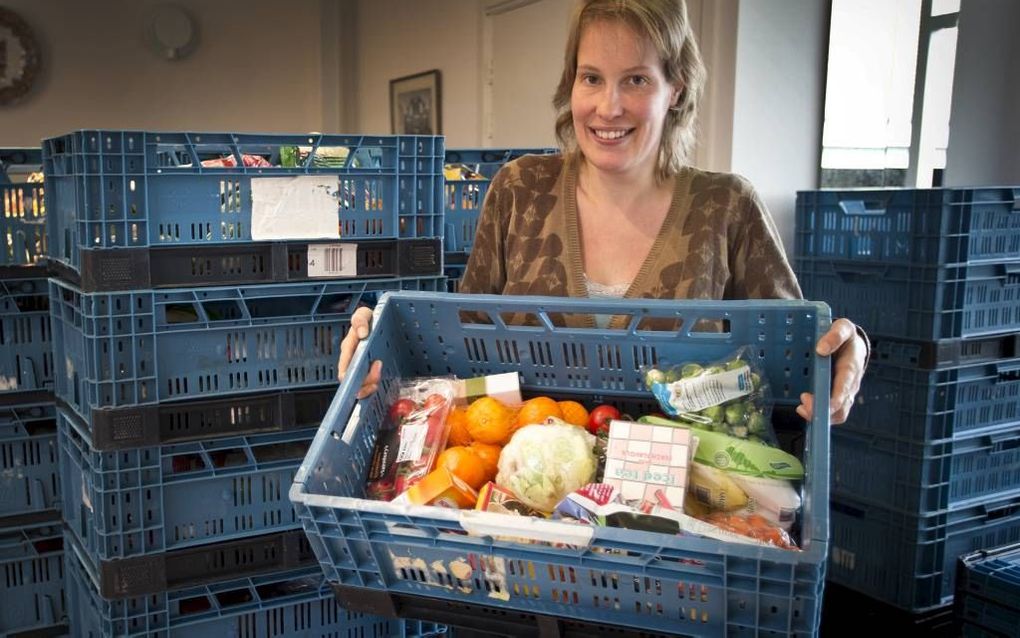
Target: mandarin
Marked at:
574, 413
537, 410
490, 421
490, 456
456, 422
464, 464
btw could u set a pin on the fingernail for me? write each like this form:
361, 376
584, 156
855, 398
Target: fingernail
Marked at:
824, 349
362, 332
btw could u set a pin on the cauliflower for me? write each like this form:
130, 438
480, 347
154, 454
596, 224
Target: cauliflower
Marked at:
543, 463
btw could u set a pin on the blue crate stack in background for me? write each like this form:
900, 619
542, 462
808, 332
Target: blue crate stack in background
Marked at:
31, 545
203, 282
928, 465
468, 173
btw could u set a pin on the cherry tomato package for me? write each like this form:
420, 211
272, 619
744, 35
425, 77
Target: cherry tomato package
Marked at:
411, 437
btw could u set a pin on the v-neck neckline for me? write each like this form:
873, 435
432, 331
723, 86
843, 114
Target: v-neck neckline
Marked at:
576, 286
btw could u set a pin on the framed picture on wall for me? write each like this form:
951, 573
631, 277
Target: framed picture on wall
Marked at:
416, 104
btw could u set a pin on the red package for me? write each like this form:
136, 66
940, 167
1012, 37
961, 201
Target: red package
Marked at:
411, 438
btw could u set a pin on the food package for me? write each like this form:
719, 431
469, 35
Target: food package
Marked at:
742, 456
410, 440
752, 526
730, 396
714, 488
775, 499
493, 498
441, 488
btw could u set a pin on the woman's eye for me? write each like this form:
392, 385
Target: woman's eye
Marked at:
588, 78
638, 80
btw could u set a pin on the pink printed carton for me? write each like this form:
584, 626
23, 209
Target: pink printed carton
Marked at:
649, 464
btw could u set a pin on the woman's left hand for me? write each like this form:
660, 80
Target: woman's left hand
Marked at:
850, 351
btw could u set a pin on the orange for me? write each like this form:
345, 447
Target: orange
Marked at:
464, 464
490, 421
456, 421
490, 456
574, 413
537, 410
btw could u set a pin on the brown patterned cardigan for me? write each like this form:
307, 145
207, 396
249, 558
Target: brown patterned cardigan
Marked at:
717, 241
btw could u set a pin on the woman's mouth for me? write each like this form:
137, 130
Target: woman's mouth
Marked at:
610, 135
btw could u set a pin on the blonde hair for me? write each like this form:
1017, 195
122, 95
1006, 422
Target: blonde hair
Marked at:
664, 23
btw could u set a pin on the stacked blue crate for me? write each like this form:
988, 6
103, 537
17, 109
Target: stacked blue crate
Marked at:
203, 284
30, 489
927, 466
22, 210
468, 173
987, 599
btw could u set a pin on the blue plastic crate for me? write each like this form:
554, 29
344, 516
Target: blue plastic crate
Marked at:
22, 208
32, 589
615, 577
137, 502
928, 406
26, 358
921, 478
937, 226
970, 630
133, 189
29, 471
464, 197
296, 603
992, 574
911, 301
453, 276
910, 561
945, 353
986, 612
118, 351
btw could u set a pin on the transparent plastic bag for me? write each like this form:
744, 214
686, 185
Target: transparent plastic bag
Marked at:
411, 437
730, 396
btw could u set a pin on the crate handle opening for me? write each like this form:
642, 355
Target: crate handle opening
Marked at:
848, 273
1004, 442
1016, 200
862, 207
1008, 372
527, 528
996, 513
711, 328
1012, 274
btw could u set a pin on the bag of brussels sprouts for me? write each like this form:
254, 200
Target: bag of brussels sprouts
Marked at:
729, 396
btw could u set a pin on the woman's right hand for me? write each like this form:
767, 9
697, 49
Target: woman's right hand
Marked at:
361, 323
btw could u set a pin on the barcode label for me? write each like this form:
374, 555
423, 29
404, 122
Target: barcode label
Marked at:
333, 260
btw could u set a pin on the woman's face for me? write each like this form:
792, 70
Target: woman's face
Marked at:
620, 99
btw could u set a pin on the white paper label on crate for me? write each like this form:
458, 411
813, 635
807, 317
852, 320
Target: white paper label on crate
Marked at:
412, 441
298, 207
698, 393
333, 260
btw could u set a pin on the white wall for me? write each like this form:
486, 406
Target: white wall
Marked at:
398, 38
984, 126
258, 67
778, 101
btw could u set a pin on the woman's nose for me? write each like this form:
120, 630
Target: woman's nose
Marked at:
609, 105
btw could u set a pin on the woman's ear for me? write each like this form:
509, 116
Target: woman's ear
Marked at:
678, 90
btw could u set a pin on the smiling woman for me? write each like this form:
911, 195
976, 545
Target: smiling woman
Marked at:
619, 212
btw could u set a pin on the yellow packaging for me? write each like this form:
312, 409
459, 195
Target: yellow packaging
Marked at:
441, 488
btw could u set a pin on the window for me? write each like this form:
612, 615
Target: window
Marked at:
888, 92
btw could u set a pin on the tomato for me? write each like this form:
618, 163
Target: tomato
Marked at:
400, 410
599, 418
434, 402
